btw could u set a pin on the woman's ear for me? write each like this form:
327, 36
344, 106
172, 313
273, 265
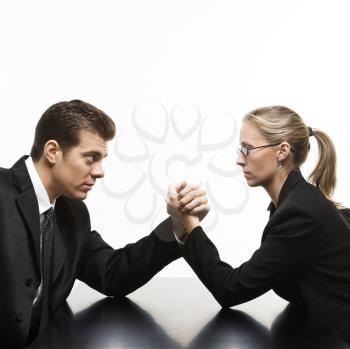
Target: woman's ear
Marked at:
283, 151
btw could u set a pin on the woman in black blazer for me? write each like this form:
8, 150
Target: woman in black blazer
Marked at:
305, 248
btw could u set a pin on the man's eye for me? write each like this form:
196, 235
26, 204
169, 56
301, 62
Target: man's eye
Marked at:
90, 158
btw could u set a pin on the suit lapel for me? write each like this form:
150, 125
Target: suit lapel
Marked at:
293, 178
58, 250
28, 205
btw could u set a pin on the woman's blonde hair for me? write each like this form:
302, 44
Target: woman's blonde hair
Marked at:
280, 124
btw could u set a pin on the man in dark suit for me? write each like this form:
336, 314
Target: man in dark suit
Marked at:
46, 238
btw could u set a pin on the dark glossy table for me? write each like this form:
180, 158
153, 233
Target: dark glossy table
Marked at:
179, 313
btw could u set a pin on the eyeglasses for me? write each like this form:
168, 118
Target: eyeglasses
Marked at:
245, 150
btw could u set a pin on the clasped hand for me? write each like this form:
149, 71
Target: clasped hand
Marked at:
187, 205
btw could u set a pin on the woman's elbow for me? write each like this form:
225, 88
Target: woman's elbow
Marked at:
225, 302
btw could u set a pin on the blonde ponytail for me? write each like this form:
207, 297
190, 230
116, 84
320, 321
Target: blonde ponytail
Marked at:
324, 173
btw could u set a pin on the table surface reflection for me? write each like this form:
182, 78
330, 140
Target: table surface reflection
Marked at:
179, 313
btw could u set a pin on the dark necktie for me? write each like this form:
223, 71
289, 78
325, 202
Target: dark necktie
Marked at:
40, 313
46, 259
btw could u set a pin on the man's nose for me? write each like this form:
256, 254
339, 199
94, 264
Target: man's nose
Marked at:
97, 171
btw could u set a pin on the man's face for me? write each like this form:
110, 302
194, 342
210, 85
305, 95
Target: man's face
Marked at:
75, 171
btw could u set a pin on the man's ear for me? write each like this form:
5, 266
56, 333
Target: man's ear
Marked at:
283, 151
52, 151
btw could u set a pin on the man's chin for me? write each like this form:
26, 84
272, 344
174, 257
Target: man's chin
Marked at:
81, 195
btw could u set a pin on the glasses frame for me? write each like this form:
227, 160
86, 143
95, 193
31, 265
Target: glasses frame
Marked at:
245, 150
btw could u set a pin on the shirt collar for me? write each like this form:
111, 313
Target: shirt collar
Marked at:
293, 178
40, 191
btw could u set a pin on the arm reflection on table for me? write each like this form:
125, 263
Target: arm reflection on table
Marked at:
105, 324
232, 329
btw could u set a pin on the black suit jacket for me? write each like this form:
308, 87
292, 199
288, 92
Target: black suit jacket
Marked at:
78, 253
304, 257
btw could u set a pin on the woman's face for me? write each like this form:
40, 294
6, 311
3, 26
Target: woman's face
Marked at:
260, 166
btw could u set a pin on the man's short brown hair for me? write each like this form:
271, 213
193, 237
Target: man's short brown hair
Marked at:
63, 122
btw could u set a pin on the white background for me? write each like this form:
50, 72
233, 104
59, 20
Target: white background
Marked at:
222, 56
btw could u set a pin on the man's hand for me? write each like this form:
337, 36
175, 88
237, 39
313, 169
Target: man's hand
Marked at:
176, 216
187, 205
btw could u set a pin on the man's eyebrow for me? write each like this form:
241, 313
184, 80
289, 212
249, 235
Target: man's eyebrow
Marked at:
95, 153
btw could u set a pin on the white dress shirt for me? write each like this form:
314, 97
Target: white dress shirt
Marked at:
43, 203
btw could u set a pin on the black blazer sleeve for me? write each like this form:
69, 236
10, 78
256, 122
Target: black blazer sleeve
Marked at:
284, 252
121, 271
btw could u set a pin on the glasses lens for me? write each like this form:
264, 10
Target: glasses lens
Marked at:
242, 150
